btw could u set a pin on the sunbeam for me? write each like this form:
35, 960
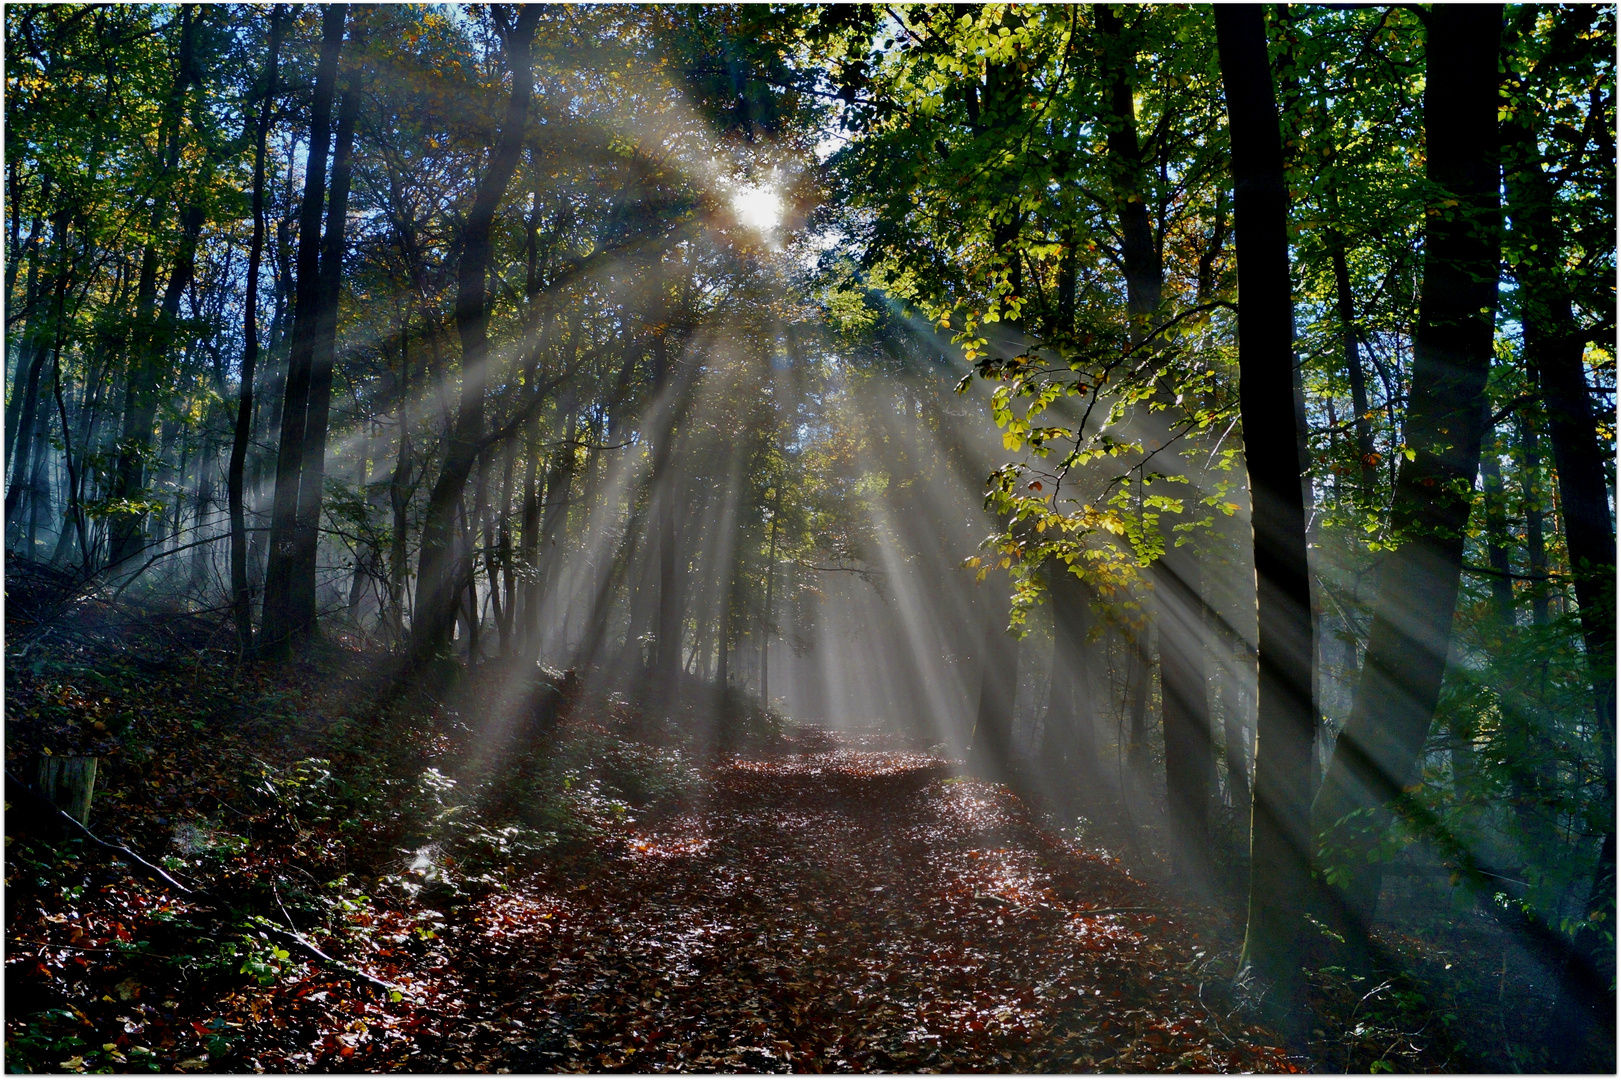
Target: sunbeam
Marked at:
762, 538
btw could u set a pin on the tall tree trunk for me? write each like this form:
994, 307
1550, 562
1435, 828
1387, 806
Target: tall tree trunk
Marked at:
1139, 253
767, 622
151, 338
1554, 347
1536, 544
141, 395
1502, 585
1185, 712
23, 449
503, 579
306, 536
39, 483
528, 554
667, 629
1069, 734
29, 347
399, 493
1139, 673
1377, 753
241, 592
1235, 749
435, 602
278, 623
991, 743
74, 513
671, 608
1345, 307
1280, 868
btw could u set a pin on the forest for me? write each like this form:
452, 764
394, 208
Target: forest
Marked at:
826, 537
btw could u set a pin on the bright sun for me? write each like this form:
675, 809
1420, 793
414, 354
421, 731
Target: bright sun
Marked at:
758, 208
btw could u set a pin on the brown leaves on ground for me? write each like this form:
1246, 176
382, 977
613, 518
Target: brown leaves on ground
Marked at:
842, 908
848, 909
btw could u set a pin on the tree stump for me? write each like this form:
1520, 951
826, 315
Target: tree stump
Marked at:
70, 783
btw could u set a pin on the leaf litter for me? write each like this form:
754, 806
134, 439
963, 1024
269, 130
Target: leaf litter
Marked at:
836, 903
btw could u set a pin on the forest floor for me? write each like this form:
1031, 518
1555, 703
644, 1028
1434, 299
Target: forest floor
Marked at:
596, 895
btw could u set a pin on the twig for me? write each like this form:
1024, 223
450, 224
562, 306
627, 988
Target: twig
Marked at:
290, 938
83, 948
276, 892
74, 825
1106, 910
1489, 572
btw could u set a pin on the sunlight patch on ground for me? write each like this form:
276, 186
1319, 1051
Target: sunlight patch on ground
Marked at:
669, 847
853, 763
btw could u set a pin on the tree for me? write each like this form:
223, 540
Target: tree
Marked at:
240, 589
1280, 857
438, 583
286, 620
1554, 346
1376, 754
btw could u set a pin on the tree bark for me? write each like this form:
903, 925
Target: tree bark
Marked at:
503, 580
1502, 585
23, 449
29, 348
1185, 713
1139, 253
278, 623
312, 470
399, 493
1139, 673
241, 592
436, 591
991, 743
1536, 544
1345, 306
1377, 753
152, 330
1069, 734
1280, 869
1554, 347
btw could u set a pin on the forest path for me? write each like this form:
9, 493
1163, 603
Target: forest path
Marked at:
843, 908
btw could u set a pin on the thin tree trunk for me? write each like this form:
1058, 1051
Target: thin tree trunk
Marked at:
29, 348
23, 450
312, 472
39, 484
670, 605
1345, 305
1536, 544
399, 493
506, 583
1069, 736
528, 554
278, 624
1554, 346
241, 592
74, 514
1139, 673
435, 594
990, 744
153, 335
770, 581
1185, 712
1491, 480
